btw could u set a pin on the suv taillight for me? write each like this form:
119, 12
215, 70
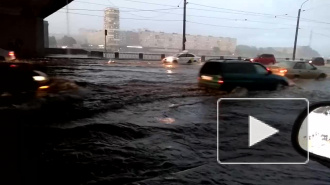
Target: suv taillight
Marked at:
220, 81
11, 53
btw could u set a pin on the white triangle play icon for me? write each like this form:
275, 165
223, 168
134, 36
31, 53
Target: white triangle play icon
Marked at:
259, 131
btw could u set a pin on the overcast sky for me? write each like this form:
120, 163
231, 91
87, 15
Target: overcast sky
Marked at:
259, 29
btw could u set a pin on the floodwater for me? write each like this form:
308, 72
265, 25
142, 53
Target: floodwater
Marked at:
132, 122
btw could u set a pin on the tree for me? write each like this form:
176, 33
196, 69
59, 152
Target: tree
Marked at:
216, 50
52, 42
84, 45
246, 51
68, 41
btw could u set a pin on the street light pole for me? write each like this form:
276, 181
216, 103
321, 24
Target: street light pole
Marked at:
184, 26
68, 25
296, 37
297, 32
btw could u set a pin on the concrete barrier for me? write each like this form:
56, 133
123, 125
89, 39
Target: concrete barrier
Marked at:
64, 51
96, 54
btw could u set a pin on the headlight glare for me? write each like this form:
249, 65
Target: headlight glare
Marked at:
39, 78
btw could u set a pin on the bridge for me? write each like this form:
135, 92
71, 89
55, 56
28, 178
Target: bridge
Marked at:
22, 25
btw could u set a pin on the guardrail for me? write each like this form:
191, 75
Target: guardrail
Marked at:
133, 56
148, 56
157, 56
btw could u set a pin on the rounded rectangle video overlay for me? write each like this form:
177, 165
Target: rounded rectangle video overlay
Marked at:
258, 130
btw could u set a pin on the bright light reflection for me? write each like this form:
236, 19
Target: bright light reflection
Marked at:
44, 87
169, 66
166, 120
169, 71
39, 78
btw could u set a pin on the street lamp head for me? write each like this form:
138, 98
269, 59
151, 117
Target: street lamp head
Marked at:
303, 4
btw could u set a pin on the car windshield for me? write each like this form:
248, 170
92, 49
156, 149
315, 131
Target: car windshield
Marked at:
125, 92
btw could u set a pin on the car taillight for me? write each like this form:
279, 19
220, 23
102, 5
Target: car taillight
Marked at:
11, 53
268, 69
220, 81
283, 71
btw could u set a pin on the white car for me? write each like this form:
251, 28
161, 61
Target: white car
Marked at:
6, 55
182, 58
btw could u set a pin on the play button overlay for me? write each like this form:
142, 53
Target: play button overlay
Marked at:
258, 130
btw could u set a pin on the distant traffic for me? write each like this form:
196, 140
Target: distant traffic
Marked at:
264, 72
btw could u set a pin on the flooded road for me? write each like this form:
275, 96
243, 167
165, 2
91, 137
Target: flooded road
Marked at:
132, 122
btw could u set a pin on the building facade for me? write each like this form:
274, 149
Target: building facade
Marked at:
162, 42
197, 43
92, 37
129, 38
112, 25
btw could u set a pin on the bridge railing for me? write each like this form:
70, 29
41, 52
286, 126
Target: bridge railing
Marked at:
158, 56
149, 56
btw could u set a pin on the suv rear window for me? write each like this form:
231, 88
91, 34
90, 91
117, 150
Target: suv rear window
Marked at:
238, 68
318, 59
211, 68
267, 55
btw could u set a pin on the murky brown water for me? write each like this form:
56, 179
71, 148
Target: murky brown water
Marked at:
142, 123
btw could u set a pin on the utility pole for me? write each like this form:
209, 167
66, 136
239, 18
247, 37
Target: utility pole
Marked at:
297, 31
296, 37
105, 40
68, 24
67, 18
184, 26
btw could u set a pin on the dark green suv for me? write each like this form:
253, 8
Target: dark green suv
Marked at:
228, 74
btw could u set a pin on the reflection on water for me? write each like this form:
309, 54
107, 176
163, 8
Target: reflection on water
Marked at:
168, 66
318, 140
166, 120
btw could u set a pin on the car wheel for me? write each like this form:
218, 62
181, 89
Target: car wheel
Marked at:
230, 89
195, 61
321, 77
175, 61
280, 86
295, 77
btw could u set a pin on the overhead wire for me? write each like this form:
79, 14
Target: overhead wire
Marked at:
235, 26
179, 21
120, 18
222, 18
324, 35
226, 10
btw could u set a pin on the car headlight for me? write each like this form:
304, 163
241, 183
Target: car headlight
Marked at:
39, 78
